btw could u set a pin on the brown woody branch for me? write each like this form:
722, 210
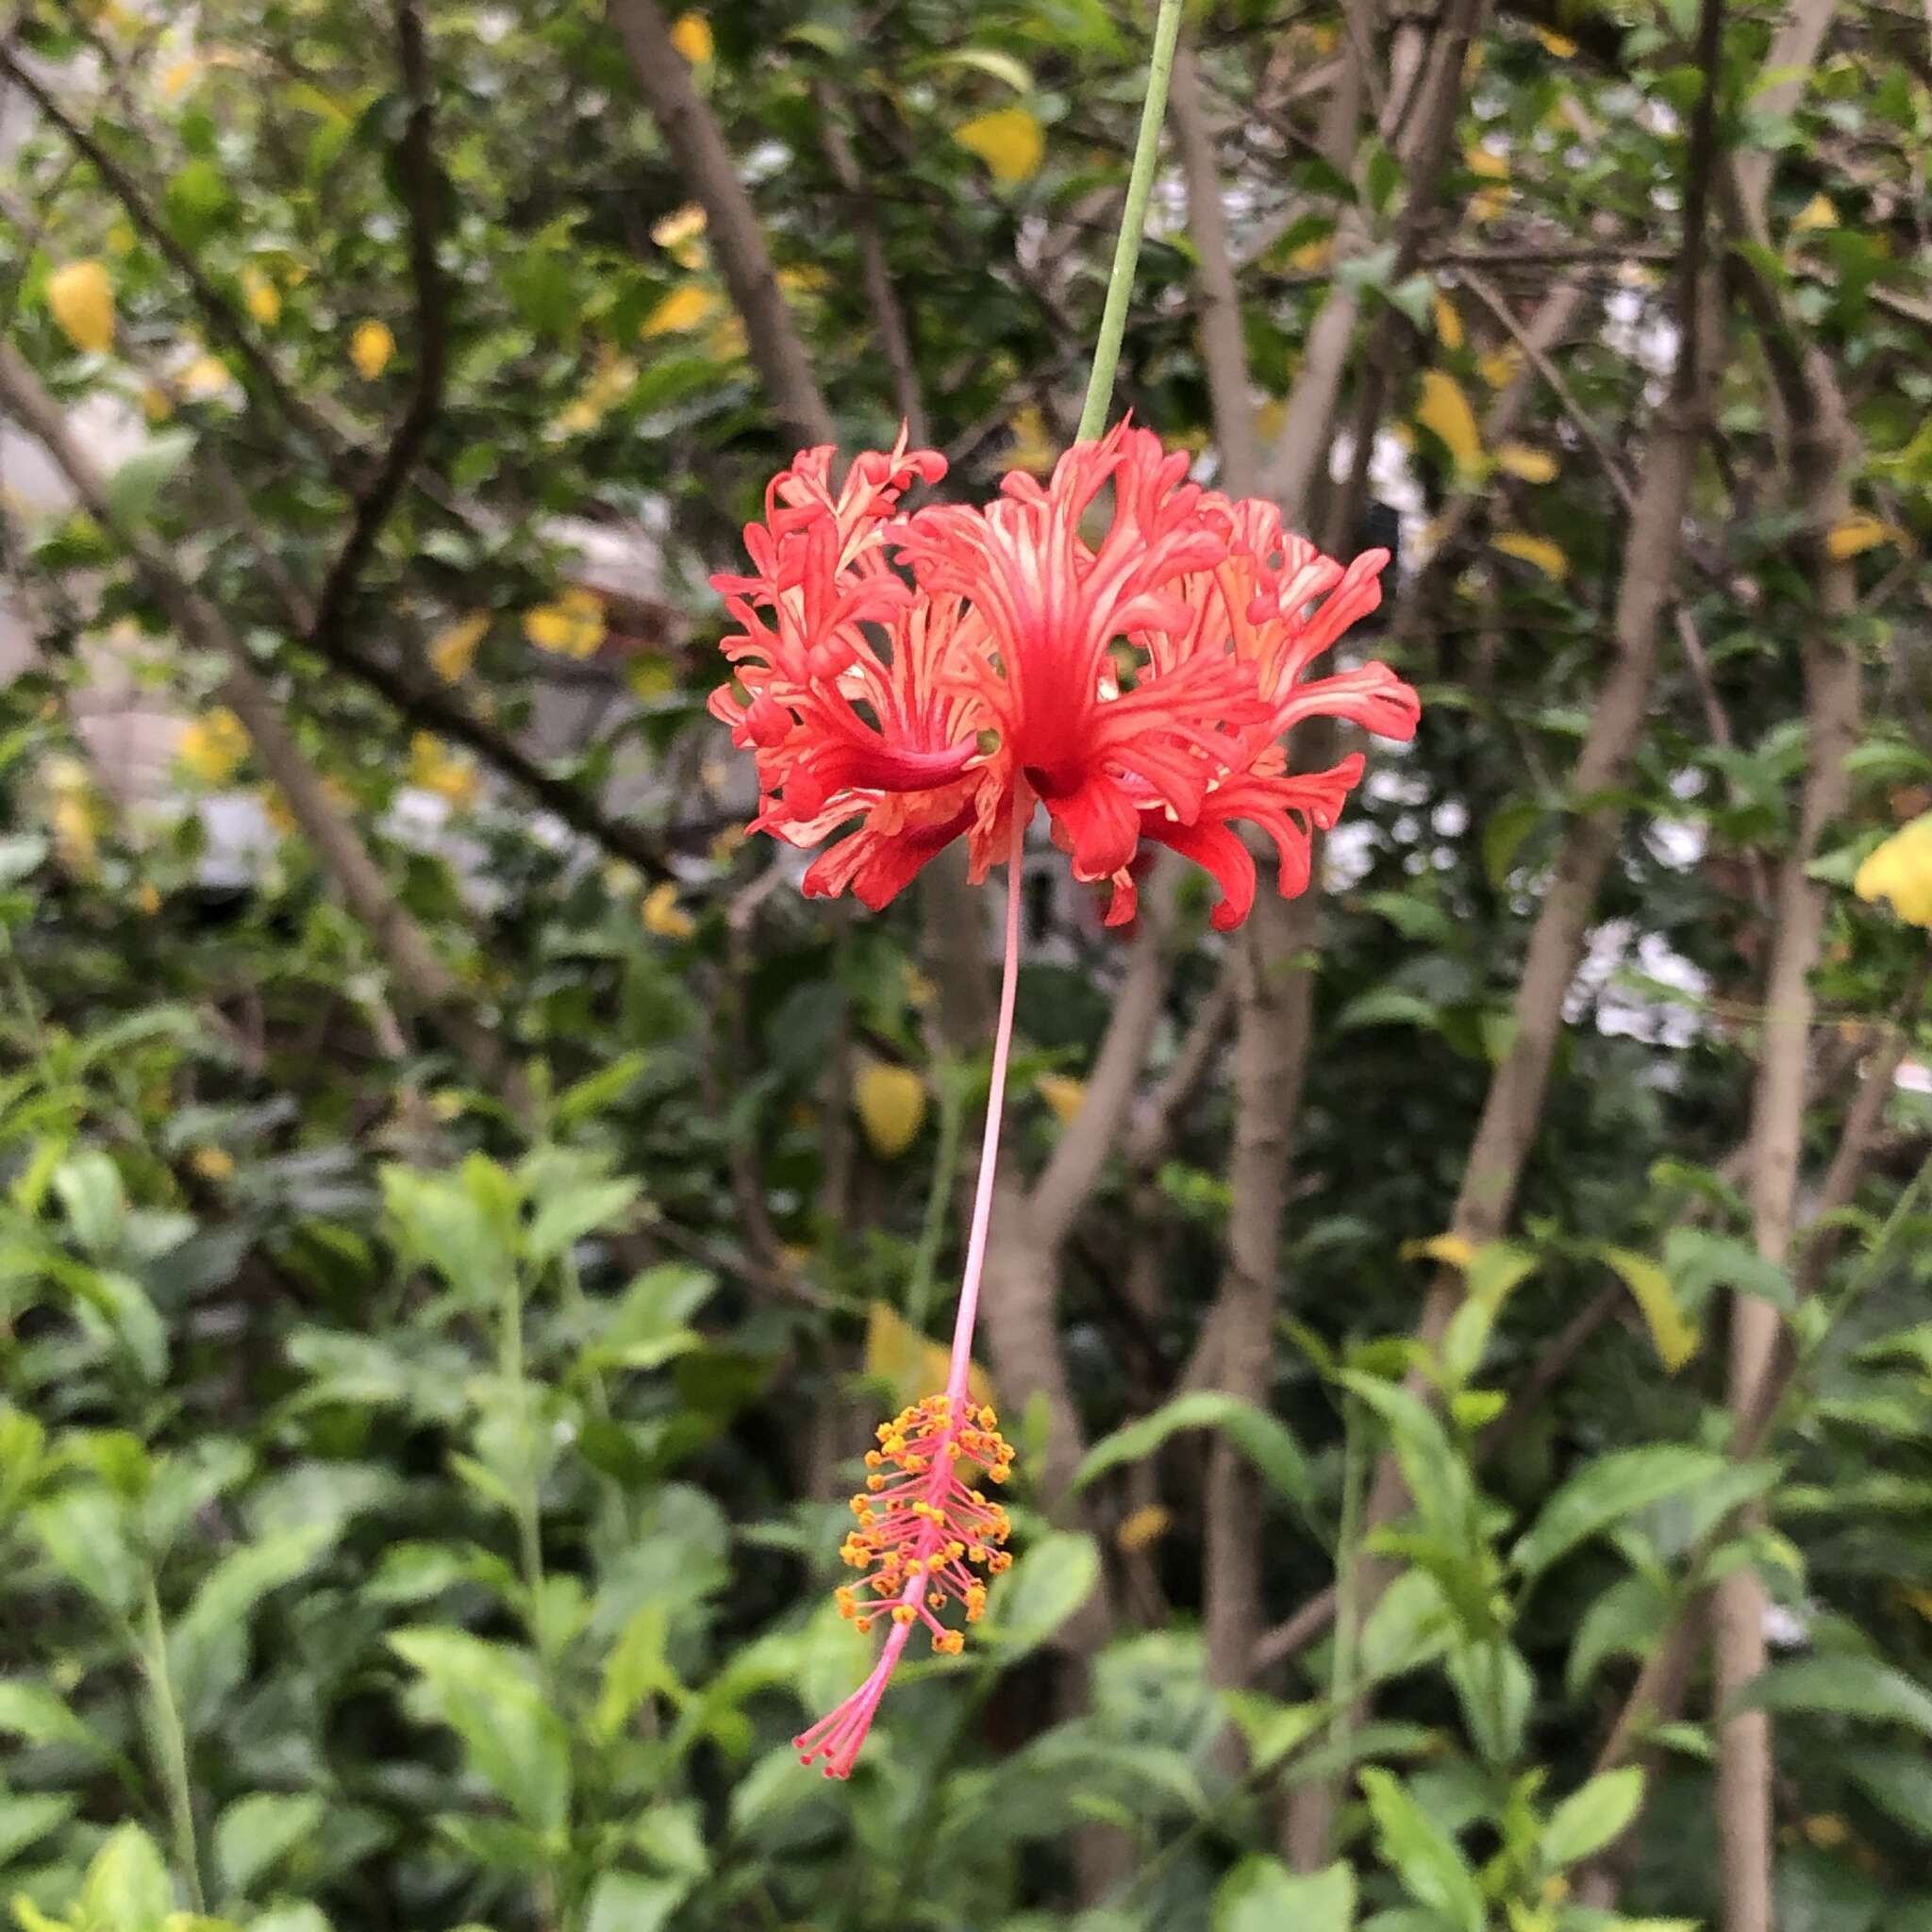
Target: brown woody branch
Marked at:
422, 981
217, 311
423, 188
697, 144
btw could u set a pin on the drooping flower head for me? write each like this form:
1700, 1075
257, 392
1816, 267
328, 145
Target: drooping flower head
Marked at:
910, 677
904, 679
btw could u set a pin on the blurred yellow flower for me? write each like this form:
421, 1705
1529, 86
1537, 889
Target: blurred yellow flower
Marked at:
1901, 871
71, 815
1064, 1096
570, 627
892, 1107
682, 308
1140, 1528
1032, 449
676, 232
435, 768
663, 916
82, 299
213, 1164
370, 349
690, 34
263, 298
453, 649
214, 746
207, 375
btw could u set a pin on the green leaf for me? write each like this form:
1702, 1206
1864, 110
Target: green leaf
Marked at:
1591, 1818
1495, 1688
135, 488
1700, 1263
1261, 1894
206, 1648
108, 1299
1606, 1490
1503, 833
1410, 1625
488, 1695
1436, 1471
443, 1224
1674, 1335
1273, 1729
1623, 1622
563, 1220
1387, 1005
1899, 1781
622, 1902
1042, 1590
34, 1715
195, 201
258, 1831
27, 1819
637, 1668
599, 1092
1265, 1442
1426, 1859
650, 1324
88, 1185
86, 1534
1860, 1687
1002, 66
127, 1888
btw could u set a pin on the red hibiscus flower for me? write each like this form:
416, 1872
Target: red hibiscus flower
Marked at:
1135, 669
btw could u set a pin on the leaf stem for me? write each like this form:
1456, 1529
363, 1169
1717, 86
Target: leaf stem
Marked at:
530, 1507
1348, 1538
171, 1742
1126, 251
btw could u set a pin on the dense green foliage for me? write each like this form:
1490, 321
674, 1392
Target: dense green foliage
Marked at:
425, 1414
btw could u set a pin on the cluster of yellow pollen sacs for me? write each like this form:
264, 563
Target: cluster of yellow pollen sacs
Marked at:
919, 1518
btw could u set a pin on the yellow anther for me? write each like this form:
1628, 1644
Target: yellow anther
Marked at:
903, 1613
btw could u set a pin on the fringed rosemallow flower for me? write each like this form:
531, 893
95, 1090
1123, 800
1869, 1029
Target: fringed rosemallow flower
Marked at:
1137, 682
1120, 645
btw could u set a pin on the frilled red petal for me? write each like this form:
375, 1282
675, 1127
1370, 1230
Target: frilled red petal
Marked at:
1097, 826
1217, 851
1116, 641
1372, 695
1286, 809
878, 864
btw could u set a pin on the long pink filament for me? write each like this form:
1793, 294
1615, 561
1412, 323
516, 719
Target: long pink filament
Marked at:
961, 1363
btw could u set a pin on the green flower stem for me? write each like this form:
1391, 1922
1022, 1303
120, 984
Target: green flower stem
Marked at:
1127, 249
1347, 1563
170, 1743
528, 1509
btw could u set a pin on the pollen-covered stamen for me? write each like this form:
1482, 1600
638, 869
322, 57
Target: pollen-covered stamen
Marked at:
923, 1532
